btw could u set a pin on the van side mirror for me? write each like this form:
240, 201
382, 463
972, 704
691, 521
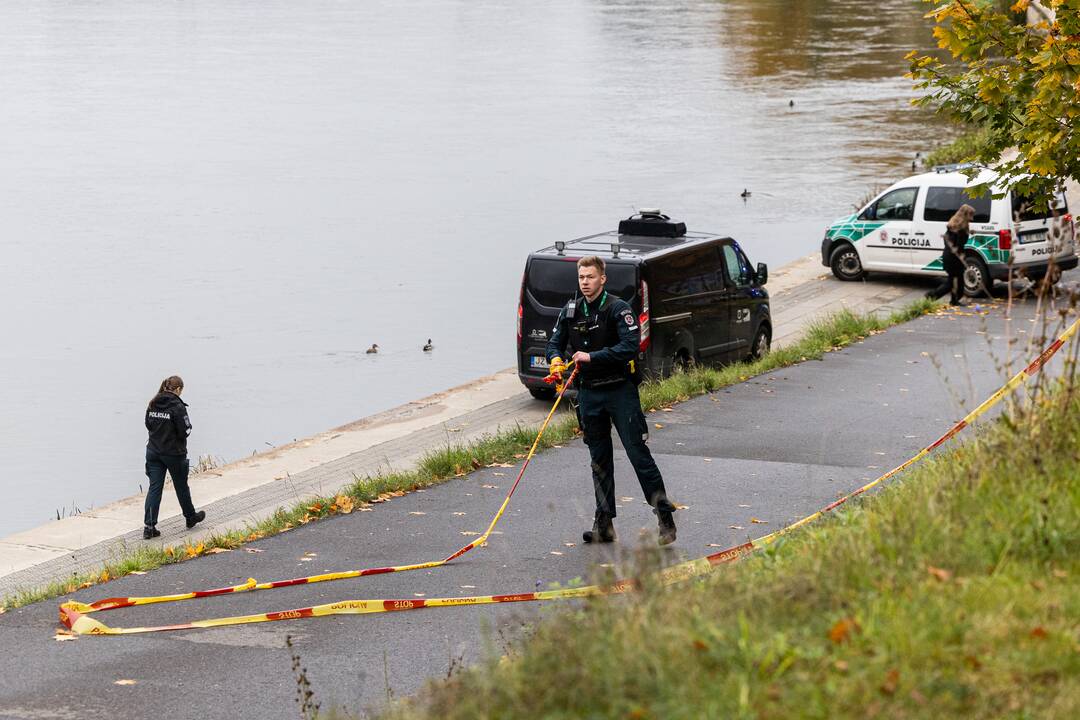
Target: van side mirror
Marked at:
762, 273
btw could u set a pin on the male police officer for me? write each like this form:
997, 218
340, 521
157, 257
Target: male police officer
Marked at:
603, 335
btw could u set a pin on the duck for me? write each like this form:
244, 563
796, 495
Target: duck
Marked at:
791, 103
373, 349
744, 194
428, 347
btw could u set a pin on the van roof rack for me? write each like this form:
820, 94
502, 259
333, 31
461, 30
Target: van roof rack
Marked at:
953, 167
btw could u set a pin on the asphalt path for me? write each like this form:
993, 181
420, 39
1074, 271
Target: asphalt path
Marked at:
774, 448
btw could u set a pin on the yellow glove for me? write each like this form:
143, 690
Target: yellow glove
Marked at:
557, 367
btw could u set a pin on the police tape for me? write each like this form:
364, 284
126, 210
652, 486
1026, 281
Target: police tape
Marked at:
75, 615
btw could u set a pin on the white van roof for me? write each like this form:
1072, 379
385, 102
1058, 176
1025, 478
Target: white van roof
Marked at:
953, 178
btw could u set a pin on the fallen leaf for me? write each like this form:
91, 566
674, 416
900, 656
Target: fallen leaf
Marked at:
707, 459
843, 629
713, 545
418, 594
124, 682
63, 635
366, 509
658, 425
344, 503
469, 533
496, 474
1039, 633
468, 587
217, 551
892, 681
735, 527
502, 465
681, 507
490, 487
627, 499
755, 521
555, 552
459, 513
940, 573
305, 559
570, 544
417, 512
133, 572
744, 506
253, 550
666, 410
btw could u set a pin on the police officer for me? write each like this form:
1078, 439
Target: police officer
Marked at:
603, 335
168, 426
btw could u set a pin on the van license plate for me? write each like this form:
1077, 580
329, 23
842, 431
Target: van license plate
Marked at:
536, 361
1034, 237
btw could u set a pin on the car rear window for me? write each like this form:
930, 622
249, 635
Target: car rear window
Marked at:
553, 282
943, 202
1023, 207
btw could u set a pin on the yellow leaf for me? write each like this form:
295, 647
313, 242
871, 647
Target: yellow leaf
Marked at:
344, 503
124, 682
217, 551
755, 521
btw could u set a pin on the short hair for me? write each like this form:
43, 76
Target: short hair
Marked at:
592, 261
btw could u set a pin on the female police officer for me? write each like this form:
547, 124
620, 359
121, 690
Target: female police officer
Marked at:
603, 335
168, 425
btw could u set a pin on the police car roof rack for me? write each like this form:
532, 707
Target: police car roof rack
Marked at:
953, 167
651, 223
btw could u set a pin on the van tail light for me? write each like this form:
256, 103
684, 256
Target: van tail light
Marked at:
521, 310
643, 319
1068, 220
1005, 240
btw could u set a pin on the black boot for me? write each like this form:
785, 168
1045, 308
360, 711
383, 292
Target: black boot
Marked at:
196, 519
666, 528
149, 532
603, 530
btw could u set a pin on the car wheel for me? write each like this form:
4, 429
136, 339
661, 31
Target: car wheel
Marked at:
976, 277
845, 262
760, 347
542, 393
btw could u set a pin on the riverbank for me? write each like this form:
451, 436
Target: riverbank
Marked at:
253, 490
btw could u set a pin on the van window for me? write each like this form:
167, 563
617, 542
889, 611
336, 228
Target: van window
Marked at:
688, 273
1023, 207
896, 205
943, 202
738, 267
553, 282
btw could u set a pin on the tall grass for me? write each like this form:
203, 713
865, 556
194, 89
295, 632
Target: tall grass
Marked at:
834, 331
953, 593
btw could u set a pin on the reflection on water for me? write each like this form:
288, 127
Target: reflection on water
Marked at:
251, 194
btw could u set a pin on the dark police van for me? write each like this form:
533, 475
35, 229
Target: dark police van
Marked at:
695, 294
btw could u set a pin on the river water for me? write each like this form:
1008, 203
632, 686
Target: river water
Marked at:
250, 194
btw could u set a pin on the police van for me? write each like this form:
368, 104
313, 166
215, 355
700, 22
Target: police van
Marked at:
902, 229
696, 296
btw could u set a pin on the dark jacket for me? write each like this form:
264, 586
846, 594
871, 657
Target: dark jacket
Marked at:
168, 423
954, 243
607, 330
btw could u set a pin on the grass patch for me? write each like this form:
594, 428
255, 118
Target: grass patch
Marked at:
955, 593
967, 147
833, 332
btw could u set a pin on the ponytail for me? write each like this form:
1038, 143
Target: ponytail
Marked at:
170, 384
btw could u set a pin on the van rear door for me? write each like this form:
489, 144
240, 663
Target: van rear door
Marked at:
549, 283
1040, 234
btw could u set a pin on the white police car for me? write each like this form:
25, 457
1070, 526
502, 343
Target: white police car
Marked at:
901, 231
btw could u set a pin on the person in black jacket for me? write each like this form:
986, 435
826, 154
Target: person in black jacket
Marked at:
168, 423
603, 334
952, 256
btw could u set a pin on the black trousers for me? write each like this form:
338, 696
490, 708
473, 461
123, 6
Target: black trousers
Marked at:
598, 409
156, 465
953, 284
